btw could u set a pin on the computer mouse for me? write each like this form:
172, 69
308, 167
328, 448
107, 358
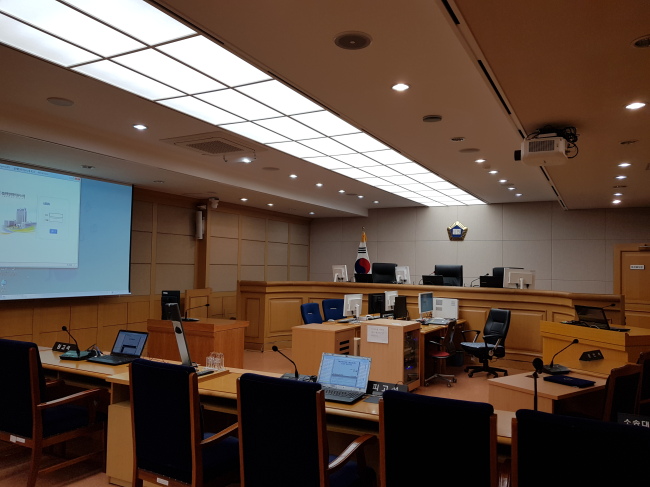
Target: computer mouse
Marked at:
330, 319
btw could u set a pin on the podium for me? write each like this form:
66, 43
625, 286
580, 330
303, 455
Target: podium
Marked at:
204, 336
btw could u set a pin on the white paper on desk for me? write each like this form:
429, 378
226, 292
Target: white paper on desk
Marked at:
377, 333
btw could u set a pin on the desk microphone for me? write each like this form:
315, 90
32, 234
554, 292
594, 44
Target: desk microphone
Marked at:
539, 367
558, 369
74, 354
295, 375
188, 309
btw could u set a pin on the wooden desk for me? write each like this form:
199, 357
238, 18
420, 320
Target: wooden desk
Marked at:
514, 392
203, 337
309, 342
617, 347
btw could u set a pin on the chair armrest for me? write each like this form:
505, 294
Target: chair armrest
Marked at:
436, 343
82, 396
346, 455
476, 333
54, 383
221, 435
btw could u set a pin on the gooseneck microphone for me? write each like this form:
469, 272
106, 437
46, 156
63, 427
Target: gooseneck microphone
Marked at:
559, 369
538, 363
296, 375
195, 307
74, 354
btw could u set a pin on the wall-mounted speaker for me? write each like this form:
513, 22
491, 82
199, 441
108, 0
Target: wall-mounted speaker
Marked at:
199, 225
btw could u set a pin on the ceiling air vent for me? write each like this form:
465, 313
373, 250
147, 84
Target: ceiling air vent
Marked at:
215, 144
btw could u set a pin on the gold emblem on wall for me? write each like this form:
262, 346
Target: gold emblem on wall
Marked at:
457, 231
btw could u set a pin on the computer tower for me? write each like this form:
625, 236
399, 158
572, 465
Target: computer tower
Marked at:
399, 310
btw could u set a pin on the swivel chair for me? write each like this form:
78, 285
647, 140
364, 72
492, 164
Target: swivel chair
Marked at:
36, 414
332, 309
170, 446
493, 344
452, 275
644, 397
383, 273
283, 437
310, 313
445, 349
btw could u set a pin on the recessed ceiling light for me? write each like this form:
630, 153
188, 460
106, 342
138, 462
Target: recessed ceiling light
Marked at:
243, 199
360, 196
624, 164
502, 181
401, 87
616, 202
319, 185
480, 161
511, 188
621, 177
518, 195
312, 213
635, 105
341, 191
60, 102
493, 171
432, 118
353, 40
376, 202
618, 194
293, 176
269, 204
139, 126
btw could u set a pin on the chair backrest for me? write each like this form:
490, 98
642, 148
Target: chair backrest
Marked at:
282, 433
644, 399
497, 326
452, 274
166, 417
448, 342
23, 386
586, 447
332, 309
622, 391
383, 272
454, 427
310, 313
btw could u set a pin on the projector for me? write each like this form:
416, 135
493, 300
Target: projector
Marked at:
544, 151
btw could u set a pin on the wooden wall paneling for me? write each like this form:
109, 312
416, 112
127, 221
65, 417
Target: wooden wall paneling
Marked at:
17, 320
194, 298
284, 313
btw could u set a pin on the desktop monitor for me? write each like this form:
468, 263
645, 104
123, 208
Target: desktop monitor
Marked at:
340, 272
376, 304
383, 273
402, 274
519, 279
452, 274
389, 301
498, 272
174, 313
445, 308
425, 303
169, 297
433, 280
352, 304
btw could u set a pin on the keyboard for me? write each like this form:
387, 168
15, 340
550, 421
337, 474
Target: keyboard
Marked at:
437, 321
568, 380
111, 360
338, 395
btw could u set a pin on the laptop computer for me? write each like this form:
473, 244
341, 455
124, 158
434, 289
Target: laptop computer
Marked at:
595, 318
344, 378
128, 346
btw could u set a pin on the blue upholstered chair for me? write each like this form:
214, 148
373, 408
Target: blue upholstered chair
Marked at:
454, 425
333, 309
553, 449
493, 344
310, 313
37, 414
169, 441
283, 437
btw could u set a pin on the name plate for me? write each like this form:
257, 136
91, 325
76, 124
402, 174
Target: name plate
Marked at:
63, 347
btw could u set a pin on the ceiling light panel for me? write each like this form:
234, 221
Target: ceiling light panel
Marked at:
441, 186
278, 96
327, 146
375, 182
327, 162
71, 25
388, 157
295, 149
409, 168
382, 171
418, 187
239, 104
358, 160
40, 44
326, 123
360, 142
353, 173
212, 59
136, 18
255, 132
201, 110
289, 128
399, 180
165, 69
116, 75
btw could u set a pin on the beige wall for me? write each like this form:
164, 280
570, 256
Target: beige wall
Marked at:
569, 250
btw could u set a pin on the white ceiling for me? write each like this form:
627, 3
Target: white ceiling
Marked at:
554, 62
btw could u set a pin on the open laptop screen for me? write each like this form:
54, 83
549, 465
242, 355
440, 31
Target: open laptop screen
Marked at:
591, 314
129, 343
348, 372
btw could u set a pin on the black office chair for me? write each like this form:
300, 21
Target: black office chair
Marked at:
36, 414
644, 396
333, 309
553, 449
452, 275
383, 273
169, 444
450, 423
444, 349
493, 344
310, 313
283, 437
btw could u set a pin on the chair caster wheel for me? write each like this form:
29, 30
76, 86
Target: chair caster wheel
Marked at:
471, 374
454, 380
448, 384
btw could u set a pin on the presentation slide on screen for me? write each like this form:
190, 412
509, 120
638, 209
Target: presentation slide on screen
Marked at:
62, 236
39, 213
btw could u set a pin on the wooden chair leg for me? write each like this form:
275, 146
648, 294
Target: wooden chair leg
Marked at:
33, 466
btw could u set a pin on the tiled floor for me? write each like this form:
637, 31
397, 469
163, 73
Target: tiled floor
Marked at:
14, 461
